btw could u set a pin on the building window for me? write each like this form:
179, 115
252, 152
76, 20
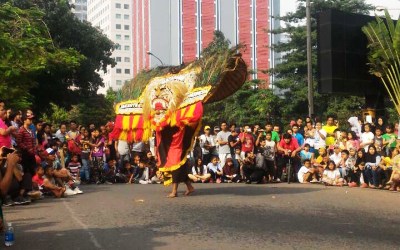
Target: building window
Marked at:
118, 37
126, 6
127, 59
127, 71
119, 82
126, 27
127, 47
118, 5
118, 26
118, 59
119, 71
126, 17
126, 37
118, 16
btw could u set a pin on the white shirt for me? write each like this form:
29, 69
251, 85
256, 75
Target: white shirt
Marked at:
331, 174
318, 141
204, 139
303, 170
367, 137
336, 158
223, 136
194, 170
123, 147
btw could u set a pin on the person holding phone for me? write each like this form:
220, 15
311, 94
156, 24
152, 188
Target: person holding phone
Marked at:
9, 161
5, 131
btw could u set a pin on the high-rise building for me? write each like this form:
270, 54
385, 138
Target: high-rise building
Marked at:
79, 8
176, 31
114, 18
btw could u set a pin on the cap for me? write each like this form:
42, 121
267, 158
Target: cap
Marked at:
50, 151
216, 128
206, 127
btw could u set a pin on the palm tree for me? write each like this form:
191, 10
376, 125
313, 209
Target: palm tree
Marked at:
384, 54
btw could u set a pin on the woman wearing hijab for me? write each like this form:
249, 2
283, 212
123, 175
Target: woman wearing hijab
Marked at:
373, 172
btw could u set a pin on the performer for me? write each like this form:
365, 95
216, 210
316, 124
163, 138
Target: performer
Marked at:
171, 105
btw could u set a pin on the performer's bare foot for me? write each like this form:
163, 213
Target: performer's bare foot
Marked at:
172, 195
189, 191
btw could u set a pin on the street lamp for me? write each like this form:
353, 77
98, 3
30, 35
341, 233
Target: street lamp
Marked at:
151, 54
309, 61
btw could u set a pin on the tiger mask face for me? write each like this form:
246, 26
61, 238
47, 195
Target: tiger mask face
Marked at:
163, 97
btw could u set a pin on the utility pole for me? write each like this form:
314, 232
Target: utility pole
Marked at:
309, 62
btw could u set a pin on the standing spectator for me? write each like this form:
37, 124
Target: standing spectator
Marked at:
26, 144
309, 136
5, 131
367, 138
274, 134
296, 134
330, 131
234, 143
247, 141
299, 123
62, 132
73, 130
222, 139
287, 148
319, 137
207, 145
122, 152
97, 145
378, 141
380, 123
389, 140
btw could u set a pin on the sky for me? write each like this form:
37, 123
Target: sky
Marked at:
392, 5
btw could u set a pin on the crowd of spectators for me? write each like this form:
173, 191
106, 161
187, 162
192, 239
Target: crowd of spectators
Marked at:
364, 155
55, 160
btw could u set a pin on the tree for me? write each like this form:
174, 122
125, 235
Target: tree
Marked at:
291, 74
384, 54
27, 50
69, 86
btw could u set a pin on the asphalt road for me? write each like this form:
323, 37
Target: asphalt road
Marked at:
217, 216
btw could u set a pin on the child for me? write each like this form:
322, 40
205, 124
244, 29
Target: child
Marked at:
215, 170
229, 172
345, 165
269, 154
110, 171
352, 141
307, 173
239, 159
331, 175
248, 166
378, 141
74, 168
143, 173
199, 172
125, 174
305, 154
49, 183
37, 179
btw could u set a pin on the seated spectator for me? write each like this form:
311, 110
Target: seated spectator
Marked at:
395, 179
125, 174
215, 170
229, 172
110, 171
199, 172
38, 179
373, 172
345, 165
239, 159
354, 175
143, 173
352, 141
331, 175
49, 184
249, 166
307, 173
336, 156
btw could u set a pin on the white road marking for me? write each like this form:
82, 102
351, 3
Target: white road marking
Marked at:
84, 226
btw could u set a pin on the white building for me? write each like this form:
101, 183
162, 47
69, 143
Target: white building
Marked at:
79, 8
114, 18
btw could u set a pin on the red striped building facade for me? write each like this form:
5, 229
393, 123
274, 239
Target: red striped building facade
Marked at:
176, 31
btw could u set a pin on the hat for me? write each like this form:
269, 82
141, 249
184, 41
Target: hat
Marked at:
216, 128
206, 127
237, 130
50, 151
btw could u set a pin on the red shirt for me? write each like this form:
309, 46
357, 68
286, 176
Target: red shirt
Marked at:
38, 180
248, 142
26, 140
292, 146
